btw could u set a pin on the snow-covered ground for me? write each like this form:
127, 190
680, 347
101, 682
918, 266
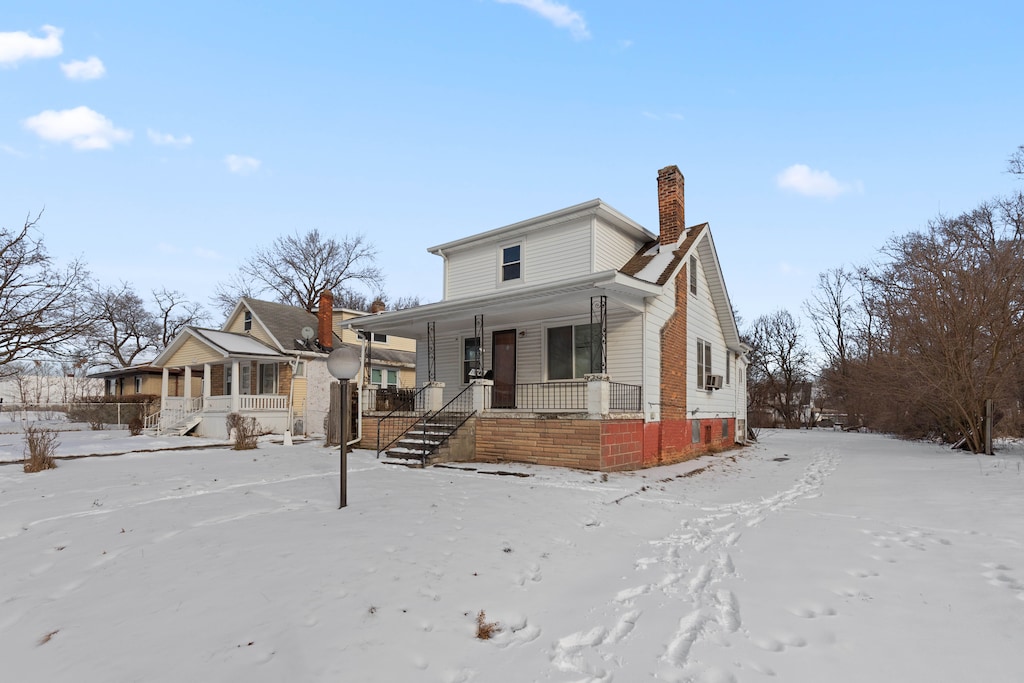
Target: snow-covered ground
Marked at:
811, 556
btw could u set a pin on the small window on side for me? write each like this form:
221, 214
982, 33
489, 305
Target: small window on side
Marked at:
247, 324
693, 275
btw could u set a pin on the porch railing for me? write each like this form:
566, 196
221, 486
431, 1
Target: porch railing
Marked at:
386, 398
563, 397
176, 409
407, 412
248, 402
625, 398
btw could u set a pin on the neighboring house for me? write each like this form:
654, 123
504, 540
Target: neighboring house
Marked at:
146, 380
389, 361
577, 338
268, 361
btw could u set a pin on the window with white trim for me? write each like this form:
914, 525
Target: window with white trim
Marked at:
378, 338
268, 378
247, 322
573, 351
138, 384
693, 275
511, 262
470, 357
728, 366
703, 362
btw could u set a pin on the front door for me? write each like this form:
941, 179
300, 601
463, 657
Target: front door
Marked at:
503, 357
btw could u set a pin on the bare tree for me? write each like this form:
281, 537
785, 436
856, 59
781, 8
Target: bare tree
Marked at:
780, 366
951, 302
1016, 162
357, 301
295, 269
174, 312
42, 305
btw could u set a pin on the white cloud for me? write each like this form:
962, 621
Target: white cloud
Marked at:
166, 248
813, 183
7, 149
81, 126
88, 70
242, 165
18, 45
562, 16
659, 117
158, 138
208, 254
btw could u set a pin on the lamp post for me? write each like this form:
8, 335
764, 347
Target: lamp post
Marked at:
343, 364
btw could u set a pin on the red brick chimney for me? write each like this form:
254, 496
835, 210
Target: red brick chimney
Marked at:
671, 214
378, 306
325, 320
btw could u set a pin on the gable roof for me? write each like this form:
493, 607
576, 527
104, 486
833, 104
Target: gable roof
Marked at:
283, 323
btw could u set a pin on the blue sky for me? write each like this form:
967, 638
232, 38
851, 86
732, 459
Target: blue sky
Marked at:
166, 141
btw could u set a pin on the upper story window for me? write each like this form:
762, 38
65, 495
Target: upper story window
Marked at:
247, 325
693, 274
511, 263
378, 338
138, 384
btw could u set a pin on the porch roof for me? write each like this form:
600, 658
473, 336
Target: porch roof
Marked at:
216, 345
509, 308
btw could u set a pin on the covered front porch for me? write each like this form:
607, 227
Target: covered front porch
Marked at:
537, 371
238, 375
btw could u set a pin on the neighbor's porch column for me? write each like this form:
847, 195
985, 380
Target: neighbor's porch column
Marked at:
187, 390
163, 389
598, 395
206, 384
236, 382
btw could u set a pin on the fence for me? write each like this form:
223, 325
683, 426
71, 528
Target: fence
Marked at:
96, 414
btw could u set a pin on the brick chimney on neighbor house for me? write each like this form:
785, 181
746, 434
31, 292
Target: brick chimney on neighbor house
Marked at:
378, 306
325, 320
671, 214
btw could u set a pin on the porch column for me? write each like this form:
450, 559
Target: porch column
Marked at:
187, 390
598, 395
206, 383
434, 395
163, 389
481, 394
236, 381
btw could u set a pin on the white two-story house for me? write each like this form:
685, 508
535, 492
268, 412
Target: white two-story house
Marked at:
577, 338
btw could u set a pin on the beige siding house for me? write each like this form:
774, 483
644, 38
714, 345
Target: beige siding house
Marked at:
574, 338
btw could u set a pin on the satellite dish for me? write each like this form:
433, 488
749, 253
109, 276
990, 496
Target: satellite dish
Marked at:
307, 332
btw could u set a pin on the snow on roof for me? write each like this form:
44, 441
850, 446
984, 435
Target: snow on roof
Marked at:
237, 344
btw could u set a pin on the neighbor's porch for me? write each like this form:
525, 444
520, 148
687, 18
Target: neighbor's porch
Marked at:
253, 388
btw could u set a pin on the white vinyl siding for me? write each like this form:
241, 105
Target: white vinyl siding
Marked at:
612, 247
703, 324
555, 253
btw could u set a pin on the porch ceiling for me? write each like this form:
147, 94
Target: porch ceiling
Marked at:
508, 308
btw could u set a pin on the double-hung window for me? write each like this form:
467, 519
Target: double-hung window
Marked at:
703, 362
511, 262
574, 351
470, 357
693, 275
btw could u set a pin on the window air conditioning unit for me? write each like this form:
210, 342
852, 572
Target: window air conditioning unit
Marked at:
713, 382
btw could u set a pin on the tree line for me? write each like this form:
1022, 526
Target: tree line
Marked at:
915, 343
62, 314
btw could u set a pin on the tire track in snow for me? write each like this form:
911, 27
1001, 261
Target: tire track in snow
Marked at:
694, 562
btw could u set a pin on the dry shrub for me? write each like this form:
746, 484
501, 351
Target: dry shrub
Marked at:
135, 426
40, 446
244, 431
485, 629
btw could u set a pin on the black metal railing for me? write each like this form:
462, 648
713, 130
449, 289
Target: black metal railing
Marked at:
625, 398
387, 398
408, 411
449, 418
542, 396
